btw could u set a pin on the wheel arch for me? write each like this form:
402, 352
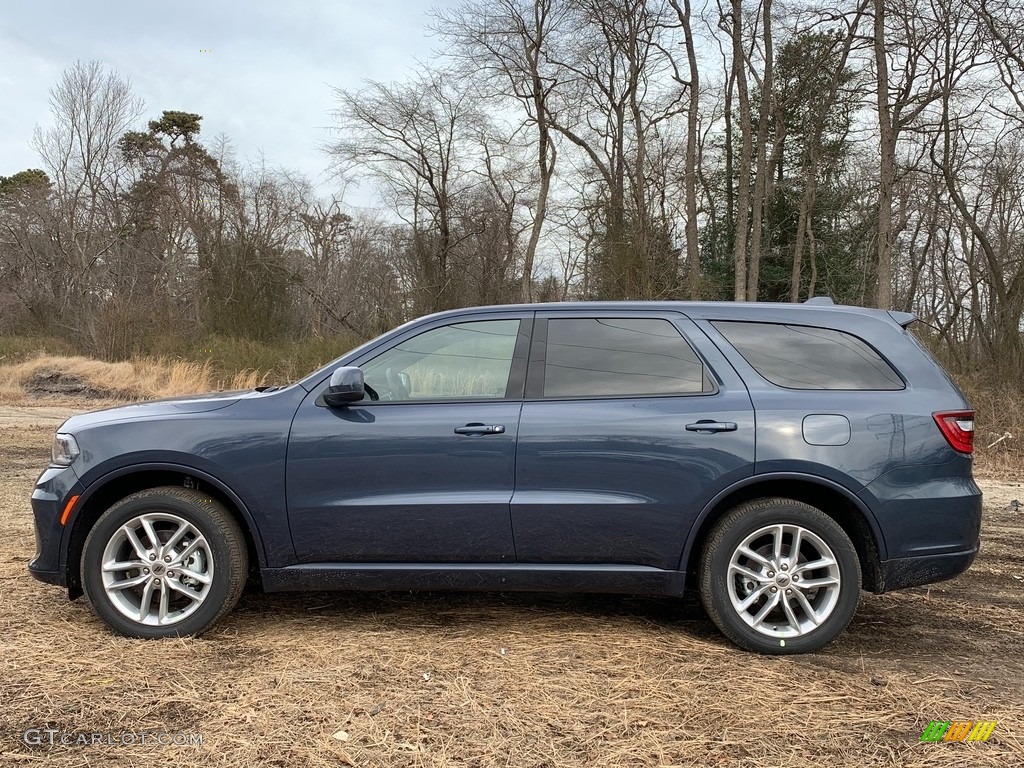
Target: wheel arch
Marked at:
122, 482
833, 499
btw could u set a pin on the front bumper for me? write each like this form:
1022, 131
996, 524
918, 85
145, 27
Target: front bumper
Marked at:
53, 488
58, 578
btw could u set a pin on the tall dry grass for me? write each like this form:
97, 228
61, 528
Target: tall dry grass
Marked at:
999, 424
141, 378
285, 360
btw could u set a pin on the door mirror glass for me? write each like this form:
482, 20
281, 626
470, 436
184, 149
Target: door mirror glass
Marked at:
346, 386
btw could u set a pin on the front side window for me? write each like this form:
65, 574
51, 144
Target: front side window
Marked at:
805, 357
614, 357
466, 360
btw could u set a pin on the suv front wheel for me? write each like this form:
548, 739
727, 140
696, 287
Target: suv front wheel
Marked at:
164, 562
779, 576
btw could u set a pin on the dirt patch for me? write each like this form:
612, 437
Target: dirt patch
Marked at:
59, 384
473, 680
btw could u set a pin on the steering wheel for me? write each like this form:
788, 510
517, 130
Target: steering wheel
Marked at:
398, 389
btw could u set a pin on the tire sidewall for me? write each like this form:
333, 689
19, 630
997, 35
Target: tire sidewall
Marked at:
734, 530
118, 515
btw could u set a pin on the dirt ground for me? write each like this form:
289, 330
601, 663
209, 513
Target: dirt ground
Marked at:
505, 680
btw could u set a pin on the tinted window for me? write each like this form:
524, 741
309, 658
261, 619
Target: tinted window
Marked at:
457, 361
803, 357
619, 357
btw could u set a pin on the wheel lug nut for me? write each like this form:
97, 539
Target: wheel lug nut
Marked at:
771, 574
145, 570
775, 589
157, 582
796, 578
170, 574
167, 558
152, 557
785, 567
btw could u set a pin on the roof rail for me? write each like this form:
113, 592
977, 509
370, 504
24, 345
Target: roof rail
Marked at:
821, 300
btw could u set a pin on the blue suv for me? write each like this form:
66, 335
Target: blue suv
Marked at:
776, 457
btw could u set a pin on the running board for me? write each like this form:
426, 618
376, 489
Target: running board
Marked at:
618, 579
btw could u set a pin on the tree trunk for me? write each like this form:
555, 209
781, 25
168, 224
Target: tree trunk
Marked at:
798, 247
762, 171
690, 162
886, 167
546, 166
743, 191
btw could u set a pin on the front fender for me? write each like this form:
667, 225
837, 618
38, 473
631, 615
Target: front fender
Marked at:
257, 518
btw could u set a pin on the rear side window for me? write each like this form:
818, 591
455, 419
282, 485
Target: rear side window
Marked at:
804, 357
619, 356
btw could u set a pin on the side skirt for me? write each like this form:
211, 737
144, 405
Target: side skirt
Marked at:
620, 579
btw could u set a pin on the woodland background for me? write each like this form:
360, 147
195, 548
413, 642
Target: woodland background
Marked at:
870, 151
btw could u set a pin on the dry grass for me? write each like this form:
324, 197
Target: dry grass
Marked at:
504, 680
999, 435
50, 375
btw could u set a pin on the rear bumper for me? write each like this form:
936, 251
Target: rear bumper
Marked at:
926, 513
906, 572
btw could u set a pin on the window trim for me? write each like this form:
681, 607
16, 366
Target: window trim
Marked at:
538, 357
733, 348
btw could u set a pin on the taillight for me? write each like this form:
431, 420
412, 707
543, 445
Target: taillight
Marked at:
958, 429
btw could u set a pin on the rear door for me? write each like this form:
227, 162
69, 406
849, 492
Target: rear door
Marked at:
632, 422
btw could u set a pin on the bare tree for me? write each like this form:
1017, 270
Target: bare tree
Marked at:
90, 110
411, 138
507, 42
609, 104
906, 33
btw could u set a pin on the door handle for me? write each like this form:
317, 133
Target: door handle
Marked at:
708, 426
480, 429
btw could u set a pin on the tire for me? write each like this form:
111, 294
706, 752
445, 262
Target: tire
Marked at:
737, 591
181, 584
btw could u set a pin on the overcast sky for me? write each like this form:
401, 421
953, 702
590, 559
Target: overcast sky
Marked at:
266, 83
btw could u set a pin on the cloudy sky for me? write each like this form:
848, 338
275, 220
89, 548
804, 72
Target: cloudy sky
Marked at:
266, 81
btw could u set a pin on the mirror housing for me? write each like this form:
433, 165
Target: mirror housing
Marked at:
346, 387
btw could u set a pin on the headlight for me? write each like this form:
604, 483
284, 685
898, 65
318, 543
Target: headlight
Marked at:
64, 450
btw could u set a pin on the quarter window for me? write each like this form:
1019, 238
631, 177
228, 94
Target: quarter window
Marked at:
465, 360
805, 357
615, 356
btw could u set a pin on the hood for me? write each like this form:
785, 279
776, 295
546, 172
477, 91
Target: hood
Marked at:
155, 408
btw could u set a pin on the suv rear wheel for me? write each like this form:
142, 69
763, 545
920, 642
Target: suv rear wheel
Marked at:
164, 562
779, 576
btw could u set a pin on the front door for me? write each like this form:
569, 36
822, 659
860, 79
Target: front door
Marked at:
628, 430
424, 471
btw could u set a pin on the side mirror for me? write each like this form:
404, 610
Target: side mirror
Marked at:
346, 387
